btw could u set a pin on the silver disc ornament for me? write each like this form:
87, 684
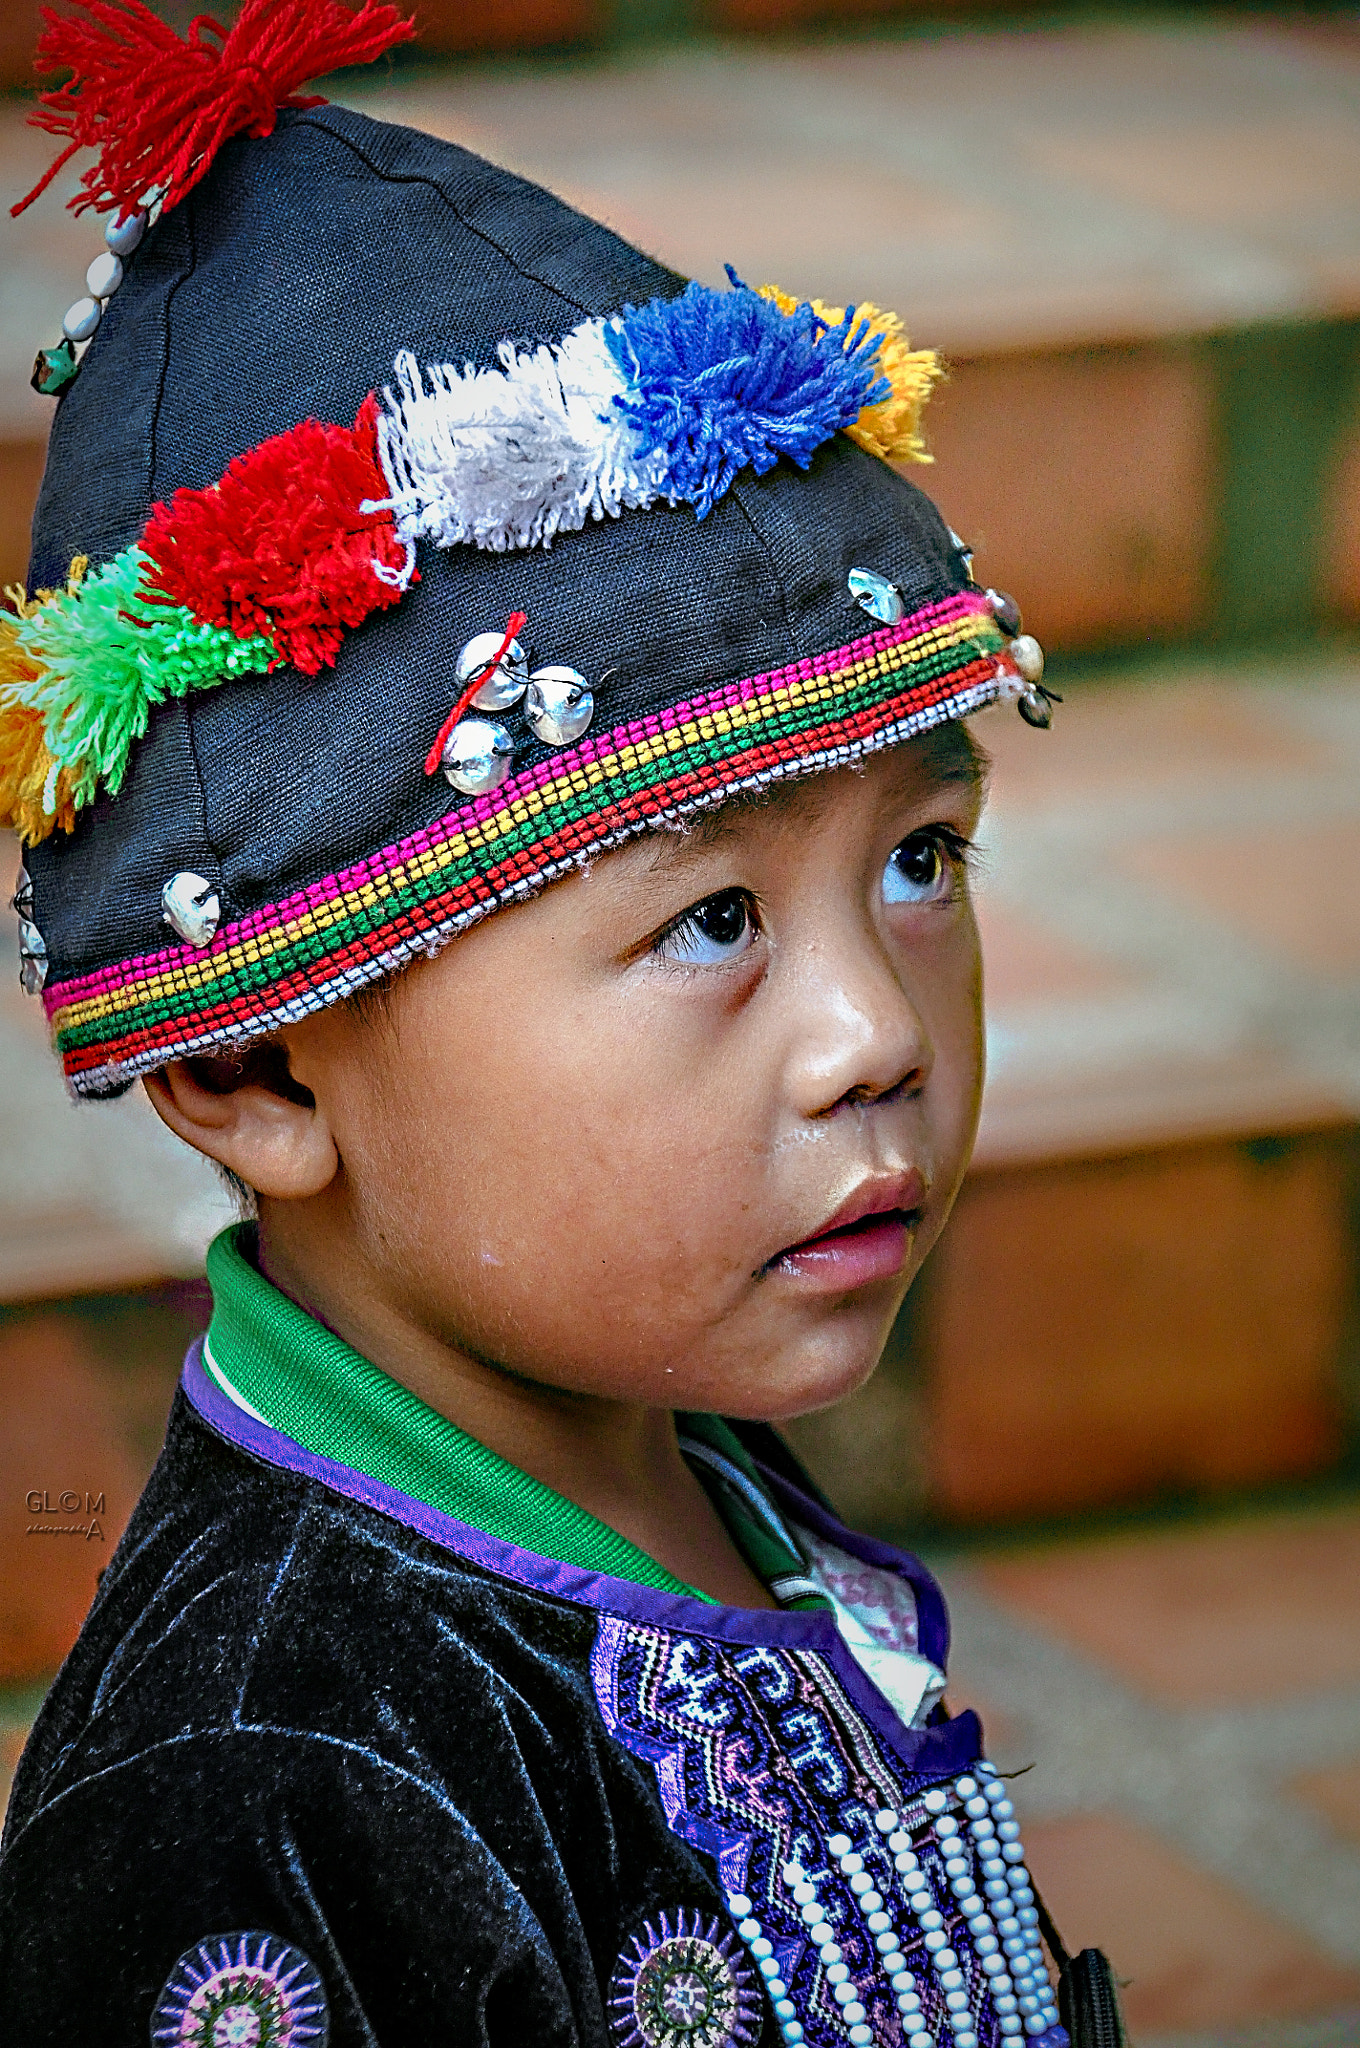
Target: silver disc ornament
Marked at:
874, 594
32, 945
684, 1984
559, 705
477, 755
508, 680
190, 905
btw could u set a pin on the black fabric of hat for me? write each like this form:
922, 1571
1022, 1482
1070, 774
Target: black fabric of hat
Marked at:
275, 841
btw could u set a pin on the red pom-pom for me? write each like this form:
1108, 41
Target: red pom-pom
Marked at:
158, 106
280, 546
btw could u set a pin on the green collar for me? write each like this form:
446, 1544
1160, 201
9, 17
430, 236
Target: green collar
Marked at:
299, 1378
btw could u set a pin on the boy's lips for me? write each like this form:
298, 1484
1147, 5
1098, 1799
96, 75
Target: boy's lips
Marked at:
867, 1239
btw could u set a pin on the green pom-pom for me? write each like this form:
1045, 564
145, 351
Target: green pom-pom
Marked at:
107, 654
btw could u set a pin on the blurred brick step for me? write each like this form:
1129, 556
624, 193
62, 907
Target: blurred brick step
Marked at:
1166, 1321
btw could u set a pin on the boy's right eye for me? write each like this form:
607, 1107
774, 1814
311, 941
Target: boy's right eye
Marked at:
711, 933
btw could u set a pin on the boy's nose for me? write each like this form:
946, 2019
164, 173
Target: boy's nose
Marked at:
861, 1037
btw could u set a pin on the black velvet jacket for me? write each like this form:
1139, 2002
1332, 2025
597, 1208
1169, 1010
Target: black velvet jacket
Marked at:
306, 1709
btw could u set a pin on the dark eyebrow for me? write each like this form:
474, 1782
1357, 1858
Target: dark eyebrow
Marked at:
957, 757
954, 759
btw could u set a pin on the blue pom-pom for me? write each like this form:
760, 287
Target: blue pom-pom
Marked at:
723, 381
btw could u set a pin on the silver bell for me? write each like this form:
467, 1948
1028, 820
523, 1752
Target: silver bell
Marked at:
22, 899
32, 958
506, 683
559, 706
1028, 656
874, 594
477, 754
1035, 708
191, 907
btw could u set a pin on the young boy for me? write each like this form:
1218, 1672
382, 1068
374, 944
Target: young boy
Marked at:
570, 948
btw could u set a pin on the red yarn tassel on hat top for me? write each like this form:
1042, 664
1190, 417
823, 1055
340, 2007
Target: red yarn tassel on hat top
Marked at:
158, 106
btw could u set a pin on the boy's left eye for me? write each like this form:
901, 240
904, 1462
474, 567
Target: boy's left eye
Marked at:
917, 871
714, 931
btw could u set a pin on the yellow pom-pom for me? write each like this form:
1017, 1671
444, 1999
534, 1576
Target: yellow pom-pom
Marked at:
35, 795
892, 428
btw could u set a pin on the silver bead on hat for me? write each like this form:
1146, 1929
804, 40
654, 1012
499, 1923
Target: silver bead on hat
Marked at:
507, 682
559, 705
1028, 656
104, 275
125, 231
1005, 611
82, 319
874, 594
1035, 708
191, 907
478, 753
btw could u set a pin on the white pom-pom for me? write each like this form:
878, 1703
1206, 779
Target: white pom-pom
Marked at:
507, 458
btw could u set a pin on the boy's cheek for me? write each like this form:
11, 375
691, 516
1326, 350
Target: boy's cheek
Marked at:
593, 1179
589, 1193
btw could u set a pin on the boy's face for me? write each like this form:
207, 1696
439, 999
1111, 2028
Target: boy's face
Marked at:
610, 1139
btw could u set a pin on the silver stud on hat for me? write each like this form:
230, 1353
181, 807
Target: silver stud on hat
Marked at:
874, 594
506, 683
477, 754
32, 958
559, 705
191, 907
32, 945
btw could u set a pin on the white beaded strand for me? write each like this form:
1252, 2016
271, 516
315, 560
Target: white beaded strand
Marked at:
982, 1926
886, 1941
105, 274
852, 2010
1000, 1914
1033, 1985
960, 2018
762, 1953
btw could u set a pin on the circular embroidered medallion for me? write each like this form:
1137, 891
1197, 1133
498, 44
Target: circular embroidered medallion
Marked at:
685, 1984
242, 1991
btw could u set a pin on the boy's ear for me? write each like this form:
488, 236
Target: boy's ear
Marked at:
246, 1111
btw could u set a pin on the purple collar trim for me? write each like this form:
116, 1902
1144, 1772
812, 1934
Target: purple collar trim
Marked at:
928, 1753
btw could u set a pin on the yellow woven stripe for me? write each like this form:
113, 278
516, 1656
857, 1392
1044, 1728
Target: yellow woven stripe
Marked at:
634, 757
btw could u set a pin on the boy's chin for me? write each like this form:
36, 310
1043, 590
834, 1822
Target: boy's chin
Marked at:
803, 1378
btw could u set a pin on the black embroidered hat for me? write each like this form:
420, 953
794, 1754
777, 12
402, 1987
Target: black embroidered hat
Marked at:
407, 539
